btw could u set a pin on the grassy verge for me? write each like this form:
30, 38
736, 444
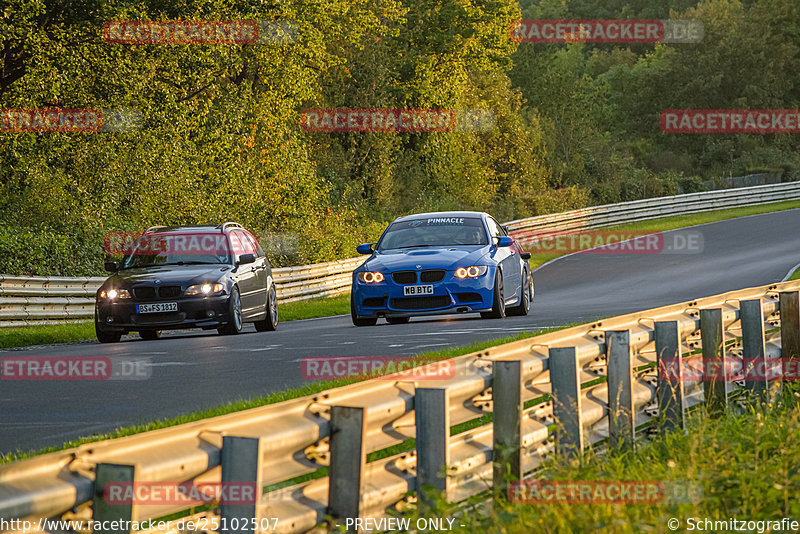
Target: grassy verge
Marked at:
744, 466
796, 275
44, 334
309, 389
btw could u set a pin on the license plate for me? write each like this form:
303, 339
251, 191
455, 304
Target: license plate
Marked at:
412, 291
157, 307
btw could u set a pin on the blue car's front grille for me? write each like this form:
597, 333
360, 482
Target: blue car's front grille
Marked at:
420, 303
375, 302
468, 297
404, 277
431, 276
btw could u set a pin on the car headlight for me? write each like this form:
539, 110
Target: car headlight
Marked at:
112, 294
370, 277
204, 289
473, 271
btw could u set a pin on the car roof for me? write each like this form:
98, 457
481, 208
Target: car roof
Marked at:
442, 214
196, 228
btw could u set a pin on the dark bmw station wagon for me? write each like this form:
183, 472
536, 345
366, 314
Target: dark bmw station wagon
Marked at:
209, 277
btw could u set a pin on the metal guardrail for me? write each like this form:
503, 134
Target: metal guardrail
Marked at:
39, 300
565, 376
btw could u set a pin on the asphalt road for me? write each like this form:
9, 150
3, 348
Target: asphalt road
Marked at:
197, 370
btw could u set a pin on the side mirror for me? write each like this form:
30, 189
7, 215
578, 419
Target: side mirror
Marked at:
111, 266
365, 248
525, 255
244, 259
504, 241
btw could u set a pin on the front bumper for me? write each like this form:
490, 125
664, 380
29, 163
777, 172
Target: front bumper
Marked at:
193, 312
451, 295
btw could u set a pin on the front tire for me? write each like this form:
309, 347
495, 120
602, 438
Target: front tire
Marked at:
498, 299
526, 292
235, 322
360, 321
270, 322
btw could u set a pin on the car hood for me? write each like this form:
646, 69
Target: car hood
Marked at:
168, 275
429, 258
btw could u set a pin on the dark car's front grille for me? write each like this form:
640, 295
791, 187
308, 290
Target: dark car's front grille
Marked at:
420, 303
375, 302
144, 293
404, 277
433, 275
168, 292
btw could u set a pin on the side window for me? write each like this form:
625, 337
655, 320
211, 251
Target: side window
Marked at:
237, 245
256, 246
494, 228
247, 244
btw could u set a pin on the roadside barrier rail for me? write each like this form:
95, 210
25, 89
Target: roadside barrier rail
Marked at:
42, 300
553, 394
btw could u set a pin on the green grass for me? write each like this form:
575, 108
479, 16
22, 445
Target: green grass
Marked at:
796, 275
744, 466
313, 308
44, 334
308, 389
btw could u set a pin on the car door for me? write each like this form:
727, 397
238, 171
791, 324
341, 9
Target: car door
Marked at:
246, 277
260, 270
508, 257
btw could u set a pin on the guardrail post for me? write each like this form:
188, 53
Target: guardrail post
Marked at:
790, 324
754, 361
241, 480
715, 366
621, 424
506, 422
432, 419
348, 461
670, 391
566, 384
114, 502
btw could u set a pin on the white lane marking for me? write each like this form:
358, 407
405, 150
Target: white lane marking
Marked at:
347, 343
268, 347
395, 346
791, 272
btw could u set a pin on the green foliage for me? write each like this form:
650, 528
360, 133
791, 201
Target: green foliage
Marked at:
574, 124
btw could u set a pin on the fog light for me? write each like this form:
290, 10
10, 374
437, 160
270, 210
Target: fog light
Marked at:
109, 319
210, 313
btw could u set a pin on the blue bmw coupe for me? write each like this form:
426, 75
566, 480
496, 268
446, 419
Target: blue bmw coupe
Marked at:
441, 263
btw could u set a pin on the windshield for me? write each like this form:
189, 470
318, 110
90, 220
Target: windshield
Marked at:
433, 232
178, 249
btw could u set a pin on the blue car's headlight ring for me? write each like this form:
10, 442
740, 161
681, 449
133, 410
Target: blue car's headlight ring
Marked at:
473, 271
